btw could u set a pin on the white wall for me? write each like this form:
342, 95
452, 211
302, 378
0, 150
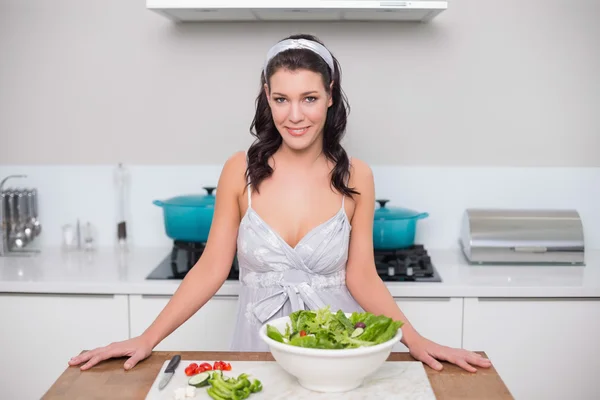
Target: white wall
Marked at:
491, 104
88, 193
502, 83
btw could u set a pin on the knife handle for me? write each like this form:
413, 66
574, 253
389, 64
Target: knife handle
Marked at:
173, 364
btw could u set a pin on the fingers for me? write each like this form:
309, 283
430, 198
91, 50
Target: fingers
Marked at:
461, 362
133, 360
462, 358
432, 362
93, 361
478, 360
93, 357
82, 357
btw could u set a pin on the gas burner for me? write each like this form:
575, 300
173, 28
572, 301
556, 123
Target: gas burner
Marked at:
184, 255
406, 264
191, 250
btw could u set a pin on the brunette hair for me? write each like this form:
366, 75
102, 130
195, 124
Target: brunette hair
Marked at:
268, 138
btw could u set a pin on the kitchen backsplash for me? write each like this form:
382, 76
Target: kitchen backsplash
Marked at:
89, 193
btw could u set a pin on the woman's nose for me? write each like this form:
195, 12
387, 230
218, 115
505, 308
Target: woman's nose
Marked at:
296, 115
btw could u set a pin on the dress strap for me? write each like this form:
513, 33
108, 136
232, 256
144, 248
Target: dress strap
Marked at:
248, 185
348, 181
249, 195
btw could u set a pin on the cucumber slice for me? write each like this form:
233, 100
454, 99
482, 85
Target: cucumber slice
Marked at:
357, 332
199, 380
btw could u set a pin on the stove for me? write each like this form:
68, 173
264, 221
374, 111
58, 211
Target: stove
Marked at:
411, 264
182, 258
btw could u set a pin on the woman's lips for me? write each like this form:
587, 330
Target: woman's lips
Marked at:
297, 131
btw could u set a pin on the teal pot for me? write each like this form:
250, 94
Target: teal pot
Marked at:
395, 227
188, 217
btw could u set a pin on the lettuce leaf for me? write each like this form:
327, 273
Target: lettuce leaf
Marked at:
323, 329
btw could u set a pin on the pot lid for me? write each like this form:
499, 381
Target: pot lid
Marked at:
385, 212
193, 200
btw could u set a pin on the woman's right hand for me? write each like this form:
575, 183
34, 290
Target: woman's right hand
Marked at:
137, 349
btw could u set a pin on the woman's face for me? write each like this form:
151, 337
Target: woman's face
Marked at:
299, 104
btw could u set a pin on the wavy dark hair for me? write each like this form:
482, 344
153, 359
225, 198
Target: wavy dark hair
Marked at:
268, 138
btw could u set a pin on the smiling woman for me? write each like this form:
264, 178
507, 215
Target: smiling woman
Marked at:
300, 104
286, 208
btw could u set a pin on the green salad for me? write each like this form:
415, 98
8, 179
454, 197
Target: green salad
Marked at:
322, 329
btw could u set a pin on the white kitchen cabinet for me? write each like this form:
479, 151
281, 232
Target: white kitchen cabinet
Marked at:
211, 328
41, 332
436, 318
542, 348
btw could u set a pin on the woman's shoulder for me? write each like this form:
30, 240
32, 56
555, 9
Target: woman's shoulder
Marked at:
233, 173
361, 173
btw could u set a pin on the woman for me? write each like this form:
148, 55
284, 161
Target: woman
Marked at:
288, 206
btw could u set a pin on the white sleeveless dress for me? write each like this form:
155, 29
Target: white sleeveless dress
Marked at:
277, 279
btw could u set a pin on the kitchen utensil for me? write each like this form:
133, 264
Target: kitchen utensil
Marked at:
398, 380
122, 187
394, 227
522, 236
34, 212
169, 371
188, 217
69, 237
88, 237
327, 370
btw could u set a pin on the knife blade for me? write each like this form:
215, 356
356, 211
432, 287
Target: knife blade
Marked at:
169, 372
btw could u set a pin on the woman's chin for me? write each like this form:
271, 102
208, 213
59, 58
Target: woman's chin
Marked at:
298, 143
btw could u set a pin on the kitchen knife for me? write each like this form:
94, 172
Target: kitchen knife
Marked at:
169, 372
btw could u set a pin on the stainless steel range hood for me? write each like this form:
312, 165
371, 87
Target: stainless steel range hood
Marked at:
297, 10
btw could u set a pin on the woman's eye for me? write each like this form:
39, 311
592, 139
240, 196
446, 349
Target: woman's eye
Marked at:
279, 100
311, 99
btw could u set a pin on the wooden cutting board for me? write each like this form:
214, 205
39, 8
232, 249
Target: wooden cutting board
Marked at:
401, 380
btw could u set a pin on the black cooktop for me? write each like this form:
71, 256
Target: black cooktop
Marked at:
411, 264
182, 258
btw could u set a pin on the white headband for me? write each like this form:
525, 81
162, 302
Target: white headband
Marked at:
299, 44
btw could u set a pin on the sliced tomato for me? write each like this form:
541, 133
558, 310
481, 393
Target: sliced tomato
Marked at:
206, 366
226, 366
302, 333
218, 365
203, 367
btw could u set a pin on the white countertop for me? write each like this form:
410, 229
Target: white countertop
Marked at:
105, 272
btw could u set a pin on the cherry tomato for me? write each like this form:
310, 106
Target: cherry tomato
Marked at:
190, 370
302, 333
218, 365
193, 365
204, 367
226, 366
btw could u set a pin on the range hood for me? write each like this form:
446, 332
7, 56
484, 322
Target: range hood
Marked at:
297, 10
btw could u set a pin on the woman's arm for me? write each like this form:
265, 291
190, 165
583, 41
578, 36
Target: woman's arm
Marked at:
199, 285
361, 275
211, 270
372, 294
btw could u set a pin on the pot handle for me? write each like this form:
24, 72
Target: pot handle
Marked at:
209, 189
422, 215
158, 203
382, 202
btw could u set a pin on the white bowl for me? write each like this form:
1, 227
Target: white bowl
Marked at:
327, 370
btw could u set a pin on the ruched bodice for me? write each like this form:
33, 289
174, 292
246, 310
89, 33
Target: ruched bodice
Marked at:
277, 279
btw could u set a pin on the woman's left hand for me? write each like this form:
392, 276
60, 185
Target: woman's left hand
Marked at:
430, 352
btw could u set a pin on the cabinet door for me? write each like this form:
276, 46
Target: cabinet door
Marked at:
542, 348
43, 331
211, 328
437, 319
